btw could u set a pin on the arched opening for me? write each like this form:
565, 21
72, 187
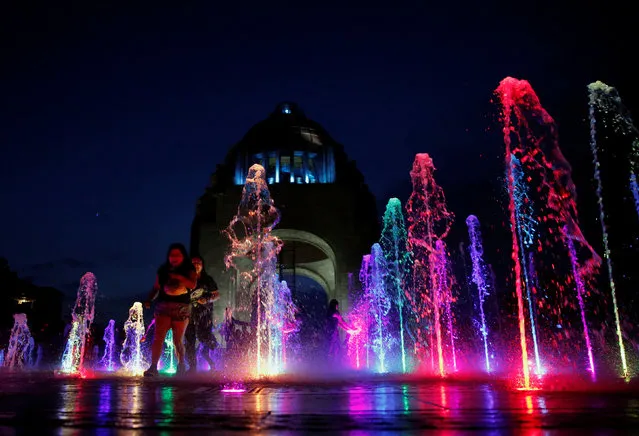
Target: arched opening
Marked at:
307, 263
311, 302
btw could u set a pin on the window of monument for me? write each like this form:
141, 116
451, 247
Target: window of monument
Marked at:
298, 167
259, 159
310, 168
285, 164
271, 169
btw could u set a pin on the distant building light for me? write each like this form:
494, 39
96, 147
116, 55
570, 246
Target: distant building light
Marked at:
286, 109
23, 300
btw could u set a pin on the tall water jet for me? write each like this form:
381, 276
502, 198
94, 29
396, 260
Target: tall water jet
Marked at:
445, 290
281, 324
81, 320
20, 343
395, 247
607, 100
530, 135
168, 361
479, 279
379, 304
510, 180
581, 291
526, 230
253, 253
428, 220
131, 356
108, 359
598, 93
359, 345
359, 316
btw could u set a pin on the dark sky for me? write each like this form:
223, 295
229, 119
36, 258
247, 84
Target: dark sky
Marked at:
114, 117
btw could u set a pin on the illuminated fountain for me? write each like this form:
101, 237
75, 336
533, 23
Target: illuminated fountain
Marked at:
132, 358
108, 359
527, 238
20, 344
379, 304
358, 342
605, 98
81, 320
445, 290
253, 253
429, 221
479, 279
281, 323
168, 361
395, 247
530, 137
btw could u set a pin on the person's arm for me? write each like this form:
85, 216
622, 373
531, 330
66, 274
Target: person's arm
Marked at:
188, 282
209, 297
154, 293
212, 294
343, 324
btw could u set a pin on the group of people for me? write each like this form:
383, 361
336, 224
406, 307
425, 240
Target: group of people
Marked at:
184, 295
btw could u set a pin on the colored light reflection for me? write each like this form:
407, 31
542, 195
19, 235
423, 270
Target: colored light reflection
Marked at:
358, 400
168, 407
405, 399
233, 388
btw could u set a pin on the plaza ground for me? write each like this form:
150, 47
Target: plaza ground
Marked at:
40, 403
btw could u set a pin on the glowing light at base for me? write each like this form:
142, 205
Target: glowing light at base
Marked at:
595, 90
132, 358
394, 242
81, 320
20, 343
479, 279
253, 254
108, 359
429, 220
233, 388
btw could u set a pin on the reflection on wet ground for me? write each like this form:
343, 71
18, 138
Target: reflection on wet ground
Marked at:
33, 403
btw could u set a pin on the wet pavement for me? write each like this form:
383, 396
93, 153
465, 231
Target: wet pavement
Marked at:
44, 404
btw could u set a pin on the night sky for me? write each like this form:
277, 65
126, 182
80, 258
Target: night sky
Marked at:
113, 118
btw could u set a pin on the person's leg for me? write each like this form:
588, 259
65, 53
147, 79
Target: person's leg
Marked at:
209, 343
162, 326
190, 337
179, 327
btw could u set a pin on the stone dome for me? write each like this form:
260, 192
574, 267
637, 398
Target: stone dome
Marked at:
286, 129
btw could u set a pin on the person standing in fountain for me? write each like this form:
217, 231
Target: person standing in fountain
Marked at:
173, 308
333, 321
200, 327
